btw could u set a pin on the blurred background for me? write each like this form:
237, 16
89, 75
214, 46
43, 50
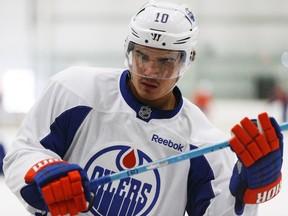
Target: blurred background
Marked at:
241, 65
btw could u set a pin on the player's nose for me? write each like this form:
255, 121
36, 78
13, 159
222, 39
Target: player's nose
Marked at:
151, 69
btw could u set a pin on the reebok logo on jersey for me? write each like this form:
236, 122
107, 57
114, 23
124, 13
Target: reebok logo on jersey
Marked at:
167, 143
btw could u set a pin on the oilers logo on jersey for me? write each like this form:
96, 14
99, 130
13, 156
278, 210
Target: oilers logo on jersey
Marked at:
135, 195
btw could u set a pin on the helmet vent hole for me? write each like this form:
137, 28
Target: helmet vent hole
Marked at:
146, 41
163, 44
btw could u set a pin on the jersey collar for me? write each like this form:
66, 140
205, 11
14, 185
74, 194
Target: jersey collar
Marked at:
144, 112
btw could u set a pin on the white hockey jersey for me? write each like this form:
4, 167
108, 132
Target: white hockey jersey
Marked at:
89, 117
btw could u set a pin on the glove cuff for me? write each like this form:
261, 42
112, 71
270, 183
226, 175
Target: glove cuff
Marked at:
29, 177
263, 194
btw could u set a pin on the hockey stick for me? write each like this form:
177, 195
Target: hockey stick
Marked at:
94, 183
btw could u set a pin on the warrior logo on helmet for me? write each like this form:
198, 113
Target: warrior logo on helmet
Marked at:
156, 36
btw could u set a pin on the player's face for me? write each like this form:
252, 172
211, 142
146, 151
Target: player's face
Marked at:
154, 72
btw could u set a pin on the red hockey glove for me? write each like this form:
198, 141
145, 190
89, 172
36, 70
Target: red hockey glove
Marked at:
63, 187
257, 174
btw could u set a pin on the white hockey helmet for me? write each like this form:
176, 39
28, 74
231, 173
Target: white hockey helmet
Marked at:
164, 25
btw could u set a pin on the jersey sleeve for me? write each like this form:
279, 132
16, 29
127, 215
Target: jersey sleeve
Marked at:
27, 147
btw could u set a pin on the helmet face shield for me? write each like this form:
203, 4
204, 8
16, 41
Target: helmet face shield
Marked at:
156, 63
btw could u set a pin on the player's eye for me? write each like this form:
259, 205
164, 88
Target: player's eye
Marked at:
142, 56
166, 61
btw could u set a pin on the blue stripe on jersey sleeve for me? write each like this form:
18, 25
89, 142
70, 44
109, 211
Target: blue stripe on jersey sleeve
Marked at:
64, 128
200, 190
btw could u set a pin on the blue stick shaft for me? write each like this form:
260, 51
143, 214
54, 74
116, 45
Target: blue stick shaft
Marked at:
164, 162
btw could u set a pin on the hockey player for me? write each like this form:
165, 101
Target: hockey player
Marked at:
91, 122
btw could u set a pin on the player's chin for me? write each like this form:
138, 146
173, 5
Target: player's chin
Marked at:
148, 94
